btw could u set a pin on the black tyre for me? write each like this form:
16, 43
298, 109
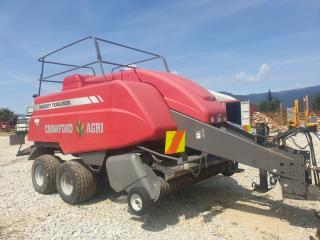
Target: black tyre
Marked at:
43, 173
139, 201
75, 182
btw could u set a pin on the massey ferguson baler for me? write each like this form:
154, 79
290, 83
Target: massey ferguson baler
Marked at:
151, 133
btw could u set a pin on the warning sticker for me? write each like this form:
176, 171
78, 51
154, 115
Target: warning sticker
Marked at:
175, 142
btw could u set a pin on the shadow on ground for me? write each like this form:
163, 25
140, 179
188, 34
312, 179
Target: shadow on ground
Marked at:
209, 199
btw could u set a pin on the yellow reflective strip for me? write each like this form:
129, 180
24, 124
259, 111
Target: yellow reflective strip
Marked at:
169, 137
247, 128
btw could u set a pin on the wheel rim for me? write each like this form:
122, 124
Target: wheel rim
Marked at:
136, 202
66, 183
39, 175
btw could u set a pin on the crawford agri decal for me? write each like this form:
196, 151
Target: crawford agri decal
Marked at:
68, 128
80, 128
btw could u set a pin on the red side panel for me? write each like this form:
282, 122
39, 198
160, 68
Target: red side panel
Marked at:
181, 94
109, 115
94, 113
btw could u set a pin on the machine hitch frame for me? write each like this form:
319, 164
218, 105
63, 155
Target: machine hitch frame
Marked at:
288, 165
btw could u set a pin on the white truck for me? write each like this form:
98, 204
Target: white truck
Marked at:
23, 121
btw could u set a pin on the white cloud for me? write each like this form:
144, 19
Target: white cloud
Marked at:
246, 77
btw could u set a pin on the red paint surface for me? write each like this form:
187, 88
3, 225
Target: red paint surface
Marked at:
135, 109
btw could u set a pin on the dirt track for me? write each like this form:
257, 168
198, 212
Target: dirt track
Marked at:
218, 208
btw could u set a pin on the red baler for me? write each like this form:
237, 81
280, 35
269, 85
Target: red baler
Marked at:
121, 124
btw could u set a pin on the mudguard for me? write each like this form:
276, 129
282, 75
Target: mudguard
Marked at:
127, 171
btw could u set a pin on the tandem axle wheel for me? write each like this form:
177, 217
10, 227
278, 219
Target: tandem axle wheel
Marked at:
74, 181
43, 173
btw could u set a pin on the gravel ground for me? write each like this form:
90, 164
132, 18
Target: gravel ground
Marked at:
218, 208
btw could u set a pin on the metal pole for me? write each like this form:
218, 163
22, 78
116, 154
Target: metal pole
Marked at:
165, 64
41, 75
99, 57
281, 114
121, 45
263, 179
263, 174
66, 46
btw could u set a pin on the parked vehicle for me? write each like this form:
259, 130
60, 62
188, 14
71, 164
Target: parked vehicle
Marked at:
22, 124
150, 132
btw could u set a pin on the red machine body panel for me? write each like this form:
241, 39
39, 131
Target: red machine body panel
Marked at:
109, 115
181, 94
95, 113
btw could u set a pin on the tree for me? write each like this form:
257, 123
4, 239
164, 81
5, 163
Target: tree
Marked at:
269, 97
271, 104
6, 115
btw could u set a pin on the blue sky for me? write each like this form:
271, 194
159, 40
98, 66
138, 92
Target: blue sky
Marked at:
239, 46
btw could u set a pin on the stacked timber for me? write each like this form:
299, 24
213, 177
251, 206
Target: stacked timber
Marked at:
258, 117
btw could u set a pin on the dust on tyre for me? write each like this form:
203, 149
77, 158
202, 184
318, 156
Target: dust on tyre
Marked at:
139, 201
76, 183
43, 173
